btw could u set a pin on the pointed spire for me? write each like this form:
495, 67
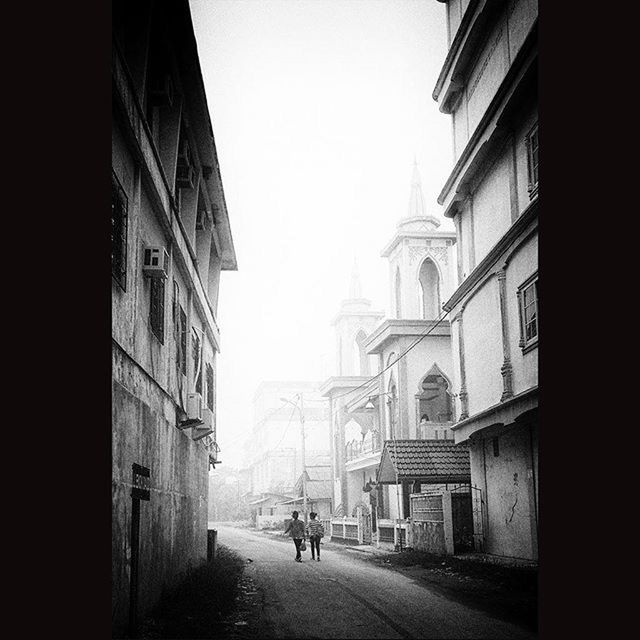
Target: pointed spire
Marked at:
355, 289
416, 199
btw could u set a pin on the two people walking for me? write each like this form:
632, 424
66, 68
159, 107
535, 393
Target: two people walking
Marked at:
296, 530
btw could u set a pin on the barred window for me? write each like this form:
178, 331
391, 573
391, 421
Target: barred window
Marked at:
156, 311
210, 386
532, 160
119, 216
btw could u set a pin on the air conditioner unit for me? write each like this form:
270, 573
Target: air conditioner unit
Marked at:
185, 176
156, 262
207, 426
194, 407
162, 91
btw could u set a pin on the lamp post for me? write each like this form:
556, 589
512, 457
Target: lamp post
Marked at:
391, 404
300, 409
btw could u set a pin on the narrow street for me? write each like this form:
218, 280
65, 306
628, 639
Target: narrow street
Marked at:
343, 596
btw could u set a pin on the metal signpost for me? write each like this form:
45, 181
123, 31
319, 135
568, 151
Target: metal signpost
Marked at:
139, 491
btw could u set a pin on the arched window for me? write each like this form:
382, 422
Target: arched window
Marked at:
362, 357
398, 292
435, 399
429, 289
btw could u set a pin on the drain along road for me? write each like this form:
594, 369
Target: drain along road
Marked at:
344, 596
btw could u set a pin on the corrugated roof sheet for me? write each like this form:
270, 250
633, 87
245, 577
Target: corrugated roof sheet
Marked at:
428, 459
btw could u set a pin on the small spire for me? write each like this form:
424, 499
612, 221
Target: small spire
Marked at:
355, 289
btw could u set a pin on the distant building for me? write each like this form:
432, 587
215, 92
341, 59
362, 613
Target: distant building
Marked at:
274, 449
413, 397
170, 238
488, 83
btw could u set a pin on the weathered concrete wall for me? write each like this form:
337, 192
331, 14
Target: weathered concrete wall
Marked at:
173, 524
508, 481
427, 536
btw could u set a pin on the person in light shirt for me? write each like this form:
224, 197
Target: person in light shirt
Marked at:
315, 531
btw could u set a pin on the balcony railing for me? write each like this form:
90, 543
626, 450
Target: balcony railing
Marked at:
356, 449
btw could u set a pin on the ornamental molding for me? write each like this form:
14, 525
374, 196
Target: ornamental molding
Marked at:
437, 253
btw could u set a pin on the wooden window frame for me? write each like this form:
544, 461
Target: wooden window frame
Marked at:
531, 343
533, 146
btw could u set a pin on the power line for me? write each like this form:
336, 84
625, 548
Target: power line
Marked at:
402, 355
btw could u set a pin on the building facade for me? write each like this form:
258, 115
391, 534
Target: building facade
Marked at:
170, 240
414, 395
488, 84
274, 449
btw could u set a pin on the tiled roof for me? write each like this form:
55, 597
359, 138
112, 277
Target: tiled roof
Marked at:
427, 460
319, 472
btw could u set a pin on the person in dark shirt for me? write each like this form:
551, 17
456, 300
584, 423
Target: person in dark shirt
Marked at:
295, 529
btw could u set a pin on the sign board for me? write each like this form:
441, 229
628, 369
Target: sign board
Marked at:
141, 482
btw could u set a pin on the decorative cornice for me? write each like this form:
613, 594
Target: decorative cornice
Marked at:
461, 32
422, 235
516, 232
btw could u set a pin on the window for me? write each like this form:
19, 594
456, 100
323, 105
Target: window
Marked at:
119, 215
398, 294
532, 160
210, 386
528, 305
429, 279
434, 400
156, 311
496, 447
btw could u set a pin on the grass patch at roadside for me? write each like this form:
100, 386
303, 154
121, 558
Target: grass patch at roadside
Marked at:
196, 607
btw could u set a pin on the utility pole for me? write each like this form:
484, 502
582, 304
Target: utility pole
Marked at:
304, 461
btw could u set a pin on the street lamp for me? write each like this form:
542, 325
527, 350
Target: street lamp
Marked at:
304, 464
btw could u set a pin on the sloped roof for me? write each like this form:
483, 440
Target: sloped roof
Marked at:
320, 472
424, 460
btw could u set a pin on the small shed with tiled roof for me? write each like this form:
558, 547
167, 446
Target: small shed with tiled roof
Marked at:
424, 461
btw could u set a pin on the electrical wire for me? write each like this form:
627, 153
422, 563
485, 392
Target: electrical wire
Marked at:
402, 355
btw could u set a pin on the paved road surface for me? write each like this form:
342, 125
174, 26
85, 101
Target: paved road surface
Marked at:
343, 596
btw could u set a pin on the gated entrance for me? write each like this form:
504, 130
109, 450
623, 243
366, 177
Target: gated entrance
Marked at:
462, 516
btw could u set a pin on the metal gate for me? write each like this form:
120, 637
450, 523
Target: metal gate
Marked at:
462, 516
477, 505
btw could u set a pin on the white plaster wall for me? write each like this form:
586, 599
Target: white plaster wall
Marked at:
460, 128
465, 244
521, 15
492, 206
346, 330
483, 347
522, 265
489, 71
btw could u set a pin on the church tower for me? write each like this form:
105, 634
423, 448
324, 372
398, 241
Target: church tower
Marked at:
353, 324
421, 261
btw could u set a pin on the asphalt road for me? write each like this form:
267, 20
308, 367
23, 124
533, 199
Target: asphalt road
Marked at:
343, 596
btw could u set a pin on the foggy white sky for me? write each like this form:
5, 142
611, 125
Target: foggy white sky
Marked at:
318, 109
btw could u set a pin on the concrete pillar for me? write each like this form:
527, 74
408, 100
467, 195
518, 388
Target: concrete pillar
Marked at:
447, 515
